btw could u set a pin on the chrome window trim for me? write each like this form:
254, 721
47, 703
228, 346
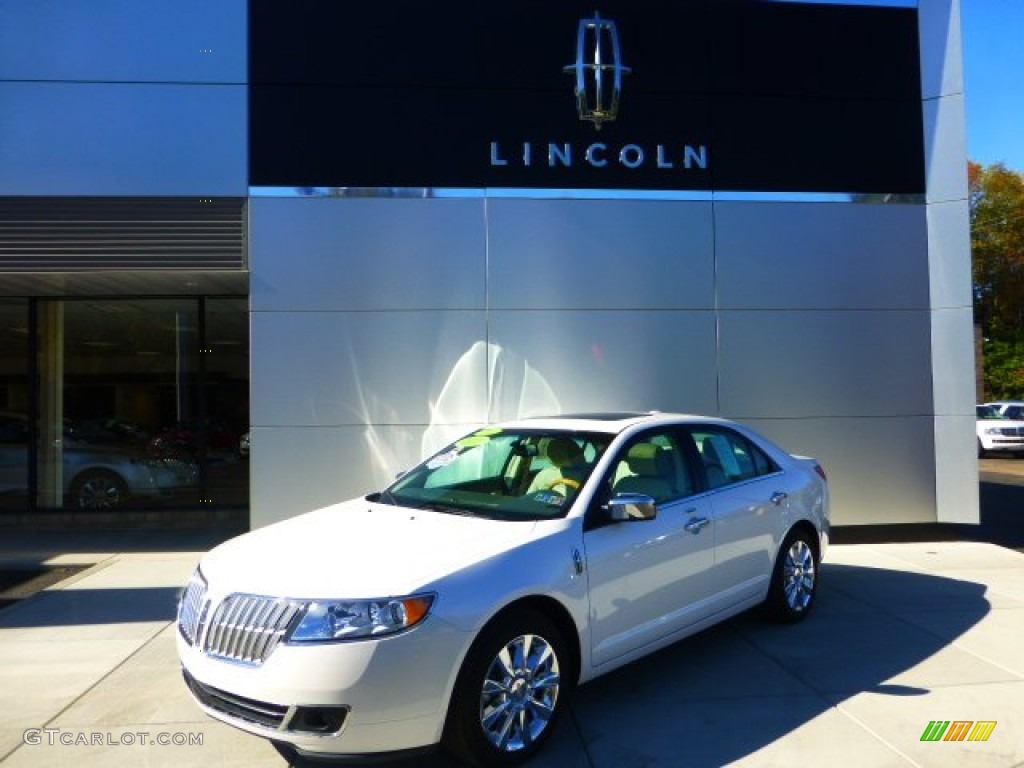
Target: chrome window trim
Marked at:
876, 3
517, 193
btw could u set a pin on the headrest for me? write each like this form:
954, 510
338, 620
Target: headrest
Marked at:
650, 460
563, 452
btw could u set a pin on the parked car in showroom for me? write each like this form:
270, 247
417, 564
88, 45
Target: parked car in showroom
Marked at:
464, 603
103, 464
998, 433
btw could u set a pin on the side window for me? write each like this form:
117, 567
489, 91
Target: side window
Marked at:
654, 466
728, 457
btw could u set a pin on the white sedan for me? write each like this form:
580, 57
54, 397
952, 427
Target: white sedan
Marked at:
463, 604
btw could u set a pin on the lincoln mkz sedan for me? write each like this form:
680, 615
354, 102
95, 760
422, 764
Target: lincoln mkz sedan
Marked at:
463, 604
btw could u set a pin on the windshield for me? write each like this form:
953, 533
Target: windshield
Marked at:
502, 474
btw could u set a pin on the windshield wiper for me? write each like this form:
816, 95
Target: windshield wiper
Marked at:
448, 510
383, 497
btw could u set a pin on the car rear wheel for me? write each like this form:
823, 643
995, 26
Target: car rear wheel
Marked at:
98, 490
795, 578
510, 692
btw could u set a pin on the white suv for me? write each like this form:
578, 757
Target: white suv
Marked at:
997, 432
463, 603
1011, 409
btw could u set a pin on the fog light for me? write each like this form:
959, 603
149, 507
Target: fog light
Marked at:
318, 719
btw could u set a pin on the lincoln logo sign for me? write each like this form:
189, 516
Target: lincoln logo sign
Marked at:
598, 88
597, 99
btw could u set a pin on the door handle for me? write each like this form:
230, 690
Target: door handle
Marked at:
778, 497
695, 525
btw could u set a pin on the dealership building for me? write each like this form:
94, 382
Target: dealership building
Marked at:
257, 257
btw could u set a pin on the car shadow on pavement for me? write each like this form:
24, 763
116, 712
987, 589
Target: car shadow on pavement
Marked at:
734, 689
726, 693
64, 607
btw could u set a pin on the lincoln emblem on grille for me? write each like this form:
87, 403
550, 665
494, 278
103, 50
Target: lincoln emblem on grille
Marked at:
598, 70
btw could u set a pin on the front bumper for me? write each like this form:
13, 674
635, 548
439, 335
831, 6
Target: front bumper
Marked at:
335, 699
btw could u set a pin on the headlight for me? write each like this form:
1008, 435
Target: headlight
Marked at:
358, 619
993, 430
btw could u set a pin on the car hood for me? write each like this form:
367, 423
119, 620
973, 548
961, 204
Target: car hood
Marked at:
356, 549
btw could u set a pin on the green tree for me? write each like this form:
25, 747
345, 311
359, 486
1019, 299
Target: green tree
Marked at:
997, 245
997, 256
1004, 370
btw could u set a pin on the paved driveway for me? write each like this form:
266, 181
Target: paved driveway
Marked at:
902, 635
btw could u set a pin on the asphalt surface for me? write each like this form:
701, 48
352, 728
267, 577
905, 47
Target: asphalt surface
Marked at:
1002, 502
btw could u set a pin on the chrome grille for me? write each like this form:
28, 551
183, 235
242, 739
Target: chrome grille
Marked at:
191, 609
247, 628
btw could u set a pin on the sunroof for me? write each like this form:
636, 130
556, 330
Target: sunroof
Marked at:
606, 416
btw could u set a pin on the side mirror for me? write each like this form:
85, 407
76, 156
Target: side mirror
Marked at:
631, 506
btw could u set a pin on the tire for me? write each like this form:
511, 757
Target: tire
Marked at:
981, 450
794, 582
509, 692
98, 489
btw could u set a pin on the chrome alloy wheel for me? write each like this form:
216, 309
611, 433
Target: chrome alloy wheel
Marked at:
98, 490
798, 576
519, 693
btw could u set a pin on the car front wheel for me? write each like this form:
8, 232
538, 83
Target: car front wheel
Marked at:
795, 578
98, 490
510, 692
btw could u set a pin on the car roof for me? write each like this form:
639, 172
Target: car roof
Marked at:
612, 422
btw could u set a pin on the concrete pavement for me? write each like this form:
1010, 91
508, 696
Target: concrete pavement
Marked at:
902, 635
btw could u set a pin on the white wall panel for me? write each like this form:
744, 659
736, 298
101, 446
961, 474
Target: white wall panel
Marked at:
175, 41
945, 146
956, 469
375, 254
880, 470
122, 139
942, 70
348, 368
801, 364
821, 255
594, 361
298, 469
600, 254
953, 362
949, 239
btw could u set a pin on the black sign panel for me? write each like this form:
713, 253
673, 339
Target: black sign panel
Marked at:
743, 96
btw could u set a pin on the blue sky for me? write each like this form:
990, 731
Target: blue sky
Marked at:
993, 42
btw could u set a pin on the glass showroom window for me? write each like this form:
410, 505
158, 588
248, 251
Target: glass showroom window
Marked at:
117, 403
14, 404
225, 371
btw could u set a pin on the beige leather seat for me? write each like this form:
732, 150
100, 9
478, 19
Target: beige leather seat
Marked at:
652, 473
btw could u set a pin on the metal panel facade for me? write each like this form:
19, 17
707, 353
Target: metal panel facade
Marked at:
437, 238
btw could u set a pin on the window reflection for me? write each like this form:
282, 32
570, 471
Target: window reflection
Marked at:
137, 407
14, 403
114, 375
226, 401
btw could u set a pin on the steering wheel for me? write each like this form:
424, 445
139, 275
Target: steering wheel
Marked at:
566, 481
